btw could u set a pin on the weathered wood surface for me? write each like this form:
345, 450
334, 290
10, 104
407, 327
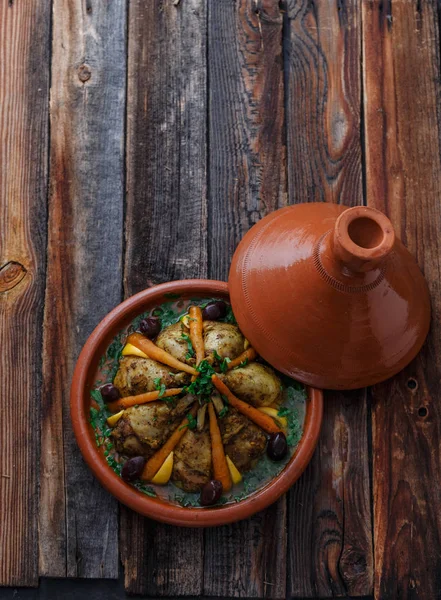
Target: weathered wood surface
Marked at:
24, 92
403, 178
165, 229
234, 108
329, 539
78, 519
247, 173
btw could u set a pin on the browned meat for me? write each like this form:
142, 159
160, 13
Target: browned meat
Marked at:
223, 338
243, 441
255, 383
170, 339
136, 376
145, 428
192, 460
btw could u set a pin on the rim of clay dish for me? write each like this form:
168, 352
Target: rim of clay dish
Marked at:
156, 508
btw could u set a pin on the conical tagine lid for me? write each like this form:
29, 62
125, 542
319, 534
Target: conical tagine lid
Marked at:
329, 296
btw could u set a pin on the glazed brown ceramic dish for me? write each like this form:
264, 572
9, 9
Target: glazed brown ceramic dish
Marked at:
329, 295
155, 508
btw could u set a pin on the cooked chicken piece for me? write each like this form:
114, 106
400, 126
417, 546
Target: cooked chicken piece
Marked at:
170, 339
243, 441
137, 375
192, 460
223, 338
255, 383
145, 428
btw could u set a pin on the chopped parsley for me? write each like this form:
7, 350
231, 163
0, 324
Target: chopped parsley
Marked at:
190, 352
191, 422
145, 489
202, 386
223, 412
159, 386
222, 362
186, 500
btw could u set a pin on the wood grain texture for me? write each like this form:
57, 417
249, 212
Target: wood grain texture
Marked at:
329, 509
246, 121
78, 519
166, 229
403, 176
24, 112
166, 128
330, 539
247, 179
323, 101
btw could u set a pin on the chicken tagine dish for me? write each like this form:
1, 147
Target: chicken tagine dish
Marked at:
184, 409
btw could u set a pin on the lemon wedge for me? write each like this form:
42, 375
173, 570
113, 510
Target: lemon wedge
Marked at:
272, 412
164, 473
236, 477
185, 320
131, 350
113, 420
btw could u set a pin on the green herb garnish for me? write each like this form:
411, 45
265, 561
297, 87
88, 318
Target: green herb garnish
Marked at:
159, 386
191, 422
186, 501
223, 412
222, 362
190, 352
229, 317
202, 386
243, 364
145, 489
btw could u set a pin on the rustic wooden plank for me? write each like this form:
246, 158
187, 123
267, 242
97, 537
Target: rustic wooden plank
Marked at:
323, 101
330, 545
329, 509
246, 181
403, 176
24, 117
166, 229
78, 519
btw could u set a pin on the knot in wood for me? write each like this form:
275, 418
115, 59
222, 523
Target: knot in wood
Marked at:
84, 73
10, 275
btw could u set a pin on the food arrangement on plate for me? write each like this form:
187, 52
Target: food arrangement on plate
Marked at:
179, 411
185, 410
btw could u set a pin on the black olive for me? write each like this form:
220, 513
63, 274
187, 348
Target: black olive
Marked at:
132, 468
109, 392
277, 446
211, 493
214, 311
150, 327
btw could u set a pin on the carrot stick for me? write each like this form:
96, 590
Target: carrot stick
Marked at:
196, 336
249, 355
153, 465
221, 471
142, 399
259, 418
152, 351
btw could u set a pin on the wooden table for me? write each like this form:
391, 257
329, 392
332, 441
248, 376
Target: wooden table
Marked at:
139, 142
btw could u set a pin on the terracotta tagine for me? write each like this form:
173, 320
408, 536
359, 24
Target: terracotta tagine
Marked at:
328, 295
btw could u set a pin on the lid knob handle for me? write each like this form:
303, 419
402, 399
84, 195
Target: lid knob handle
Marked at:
362, 238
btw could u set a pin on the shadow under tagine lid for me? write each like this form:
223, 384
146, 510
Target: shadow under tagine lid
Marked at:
328, 295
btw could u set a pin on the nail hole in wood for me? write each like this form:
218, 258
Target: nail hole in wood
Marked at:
422, 411
412, 384
84, 73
